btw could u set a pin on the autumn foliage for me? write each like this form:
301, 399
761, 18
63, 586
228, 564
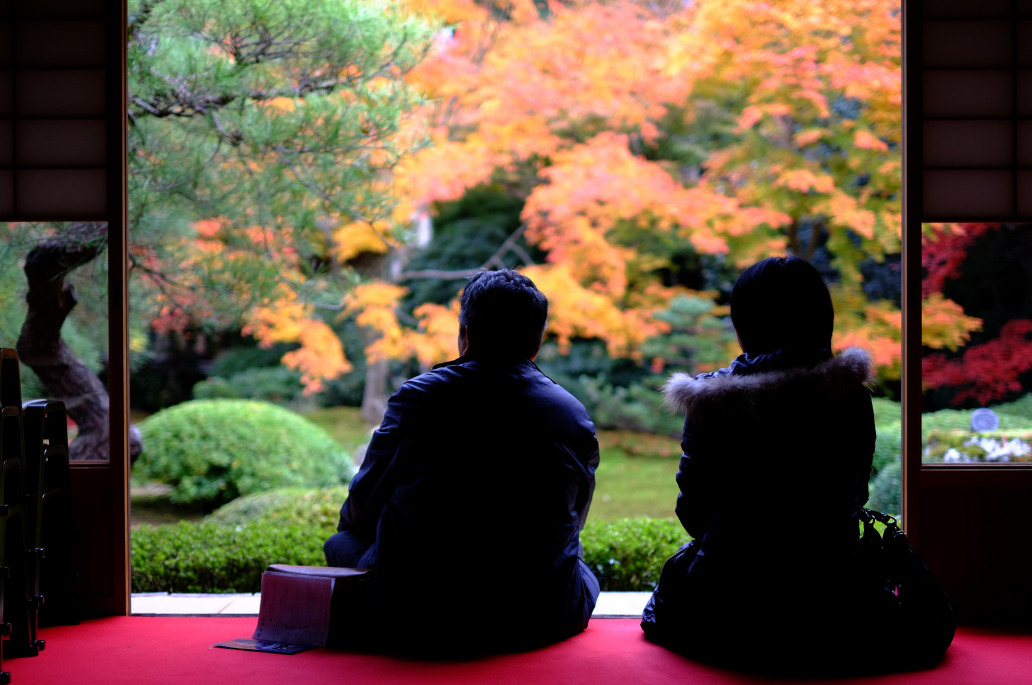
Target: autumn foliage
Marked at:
981, 372
632, 132
986, 372
730, 129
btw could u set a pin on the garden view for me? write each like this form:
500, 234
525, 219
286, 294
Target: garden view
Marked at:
312, 182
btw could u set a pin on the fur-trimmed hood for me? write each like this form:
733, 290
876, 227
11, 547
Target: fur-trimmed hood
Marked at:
685, 393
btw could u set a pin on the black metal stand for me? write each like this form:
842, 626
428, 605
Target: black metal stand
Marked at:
35, 507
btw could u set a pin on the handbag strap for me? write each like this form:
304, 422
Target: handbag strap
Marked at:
891, 538
870, 515
891, 534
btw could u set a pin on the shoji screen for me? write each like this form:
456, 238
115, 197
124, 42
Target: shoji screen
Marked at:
55, 97
977, 110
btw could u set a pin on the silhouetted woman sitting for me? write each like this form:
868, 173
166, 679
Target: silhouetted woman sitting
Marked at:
777, 455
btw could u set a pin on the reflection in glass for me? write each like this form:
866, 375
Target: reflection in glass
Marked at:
53, 280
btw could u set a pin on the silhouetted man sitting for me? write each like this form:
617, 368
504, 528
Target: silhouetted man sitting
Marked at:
474, 489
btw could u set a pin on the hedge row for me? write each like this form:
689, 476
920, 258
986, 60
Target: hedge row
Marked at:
214, 557
628, 554
229, 551
210, 557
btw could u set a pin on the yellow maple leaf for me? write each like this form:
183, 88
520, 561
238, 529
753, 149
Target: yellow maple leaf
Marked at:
944, 324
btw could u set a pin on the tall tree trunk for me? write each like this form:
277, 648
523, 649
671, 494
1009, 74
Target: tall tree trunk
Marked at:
66, 378
374, 396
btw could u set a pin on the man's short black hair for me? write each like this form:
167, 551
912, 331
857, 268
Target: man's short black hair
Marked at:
782, 303
504, 314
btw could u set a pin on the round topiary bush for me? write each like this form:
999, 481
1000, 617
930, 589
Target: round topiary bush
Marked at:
886, 489
213, 451
888, 447
312, 508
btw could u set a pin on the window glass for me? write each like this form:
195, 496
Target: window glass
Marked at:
54, 285
977, 343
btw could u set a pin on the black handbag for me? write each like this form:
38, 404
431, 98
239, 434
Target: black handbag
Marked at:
900, 592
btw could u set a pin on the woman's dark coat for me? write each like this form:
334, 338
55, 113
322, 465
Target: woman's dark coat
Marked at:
777, 455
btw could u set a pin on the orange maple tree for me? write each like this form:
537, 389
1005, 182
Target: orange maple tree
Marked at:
633, 130
790, 112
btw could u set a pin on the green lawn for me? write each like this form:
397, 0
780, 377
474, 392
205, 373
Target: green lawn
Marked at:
345, 424
633, 486
635, 476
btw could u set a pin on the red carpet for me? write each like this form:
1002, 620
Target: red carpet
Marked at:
143, 650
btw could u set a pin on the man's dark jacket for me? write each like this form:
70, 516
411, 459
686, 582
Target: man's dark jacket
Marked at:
468, 507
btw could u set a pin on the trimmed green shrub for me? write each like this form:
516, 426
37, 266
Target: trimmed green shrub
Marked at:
624, 554
319, 508
888, 447
886, 489
628, 554
213, 451
290, 526
229, 550
208, 557
886, 412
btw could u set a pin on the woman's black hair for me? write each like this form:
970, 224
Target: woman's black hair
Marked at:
504, 314
782, 303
